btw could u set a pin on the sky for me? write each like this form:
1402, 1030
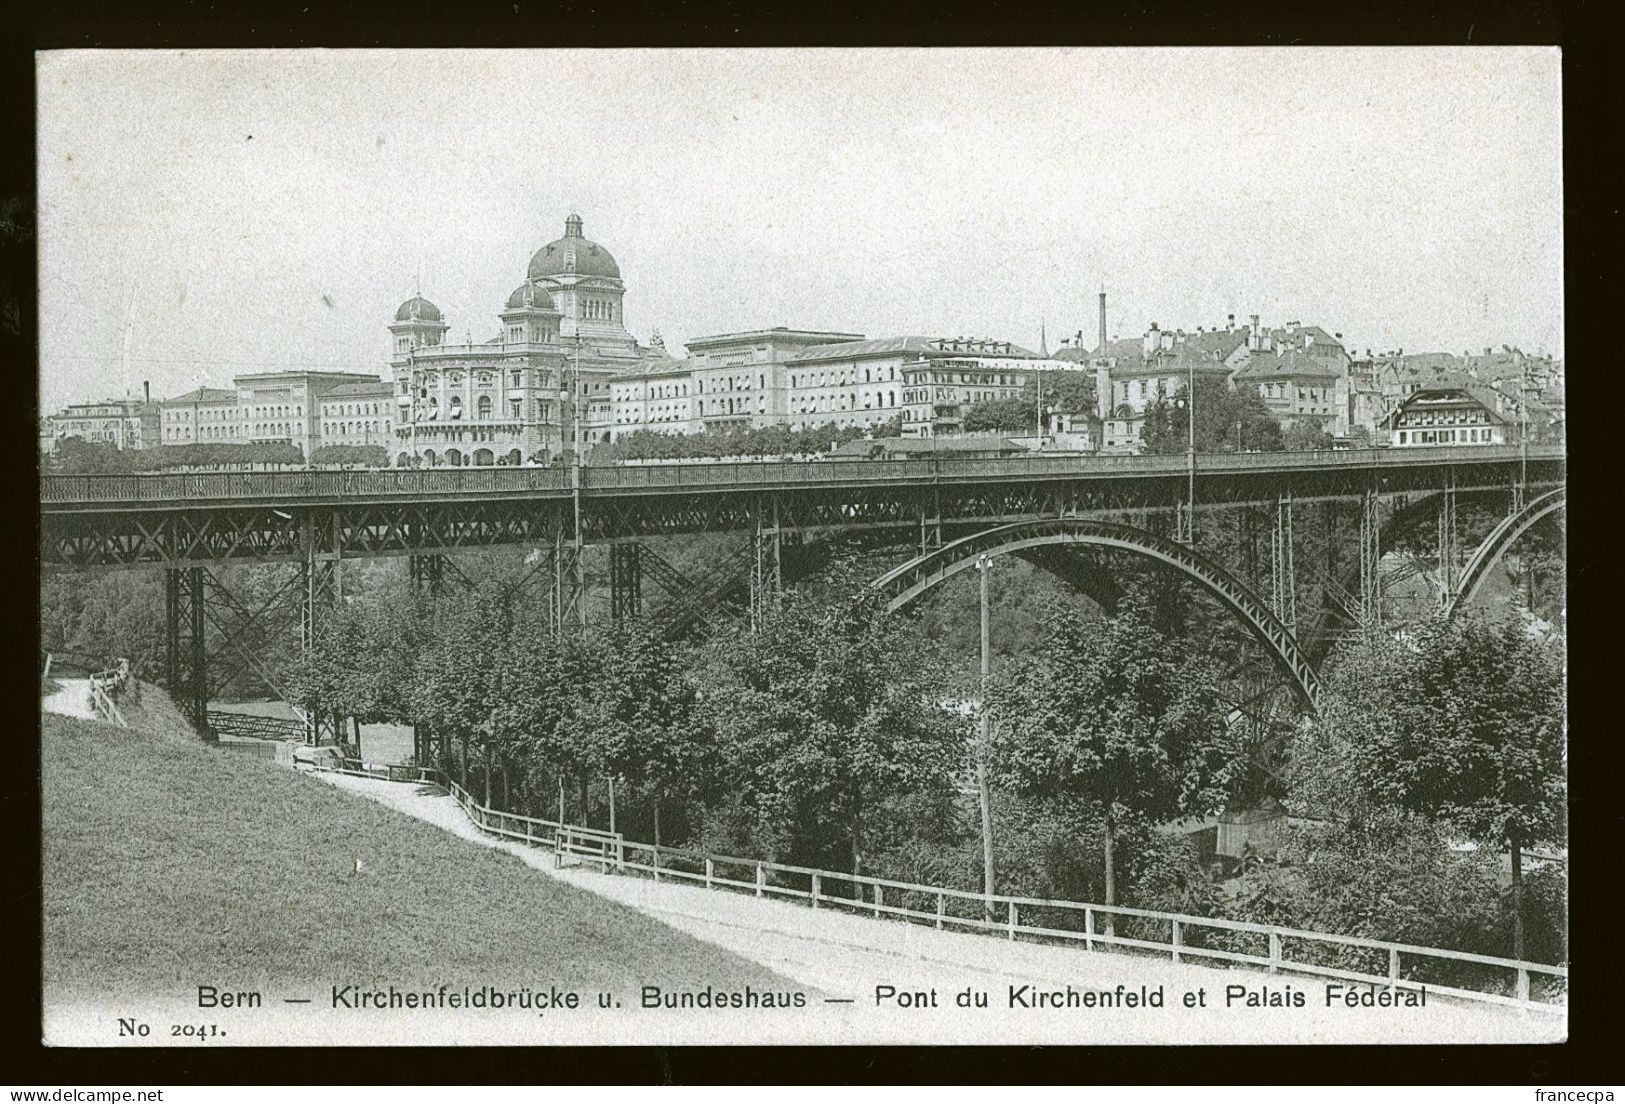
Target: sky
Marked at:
215, 212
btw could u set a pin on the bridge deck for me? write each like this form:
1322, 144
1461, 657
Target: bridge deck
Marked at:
82, 493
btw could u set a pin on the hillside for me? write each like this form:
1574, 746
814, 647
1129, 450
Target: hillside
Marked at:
167, 863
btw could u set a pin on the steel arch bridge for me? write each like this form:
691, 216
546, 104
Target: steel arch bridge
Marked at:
903, 584
1502, 537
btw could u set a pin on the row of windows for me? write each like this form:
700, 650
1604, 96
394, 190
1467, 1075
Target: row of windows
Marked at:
1447, 437
351, 429
826, 403
843, 377
340, 410
1446, 417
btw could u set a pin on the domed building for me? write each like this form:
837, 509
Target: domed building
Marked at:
507, 400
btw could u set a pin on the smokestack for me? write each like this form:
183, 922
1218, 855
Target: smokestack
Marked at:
146, 390
1102, 350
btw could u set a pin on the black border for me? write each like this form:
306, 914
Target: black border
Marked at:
1591, 133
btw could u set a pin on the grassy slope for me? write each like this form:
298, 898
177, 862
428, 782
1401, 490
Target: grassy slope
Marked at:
167, 864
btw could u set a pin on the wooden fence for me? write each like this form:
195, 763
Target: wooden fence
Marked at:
1393, 966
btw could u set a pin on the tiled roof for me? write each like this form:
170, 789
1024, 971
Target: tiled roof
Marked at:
1294, 365
887, 346
847, 350
1452, 380
205, 395
347, 389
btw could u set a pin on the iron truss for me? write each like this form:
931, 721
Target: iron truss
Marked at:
904, 584
121, 529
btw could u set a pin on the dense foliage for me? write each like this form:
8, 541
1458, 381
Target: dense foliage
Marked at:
368, 456
770, 441
1117, 719
74, 456
1226, 421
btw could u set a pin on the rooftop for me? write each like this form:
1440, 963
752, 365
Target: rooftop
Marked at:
778, 333
205, 395
377, 387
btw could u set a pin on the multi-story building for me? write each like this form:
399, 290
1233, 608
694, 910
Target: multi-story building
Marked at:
951, 376
122, 423
284, 407
851, 383
1135, 373
1296, 387
655, 399
525, 395
1452, 408
741, 380
204, 415
357, 414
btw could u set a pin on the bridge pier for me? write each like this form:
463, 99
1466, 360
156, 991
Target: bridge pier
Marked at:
1370, 561
568, 612
1283, 578
625, 582
186, 660
427, 573
766, 562
1449, 548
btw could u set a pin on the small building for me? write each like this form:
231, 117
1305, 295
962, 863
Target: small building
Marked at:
122, 423
1452, 408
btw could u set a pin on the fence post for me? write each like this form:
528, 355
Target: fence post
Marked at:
656, 853
1176, 940
620, 853
877, 899
1393, 968
1088, 929
761, 878
942, 906
1275, 953
1523, 984
1012, 919
815, 891
708, 873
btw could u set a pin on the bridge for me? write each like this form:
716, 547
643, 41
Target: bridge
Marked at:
947, 511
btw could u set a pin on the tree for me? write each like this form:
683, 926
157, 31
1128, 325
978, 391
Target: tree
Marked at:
1460, 720
1115, 717
1303, 435
828, 710
639, 713
372, 456
1002, 416
1226, 420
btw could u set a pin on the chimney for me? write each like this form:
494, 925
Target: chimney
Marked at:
146, 390
1230, 321
1102, 351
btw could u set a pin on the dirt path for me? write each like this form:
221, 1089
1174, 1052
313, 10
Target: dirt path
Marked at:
846, 957
71, 698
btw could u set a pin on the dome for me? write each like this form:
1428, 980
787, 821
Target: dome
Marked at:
418, 308
529, 295
573, 255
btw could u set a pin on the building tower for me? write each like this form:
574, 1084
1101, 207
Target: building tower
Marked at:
417, 323
529, 317
584, 282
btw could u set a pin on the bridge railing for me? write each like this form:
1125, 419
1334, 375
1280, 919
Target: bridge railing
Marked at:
385, 483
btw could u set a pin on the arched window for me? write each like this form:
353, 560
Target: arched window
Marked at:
484, 408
